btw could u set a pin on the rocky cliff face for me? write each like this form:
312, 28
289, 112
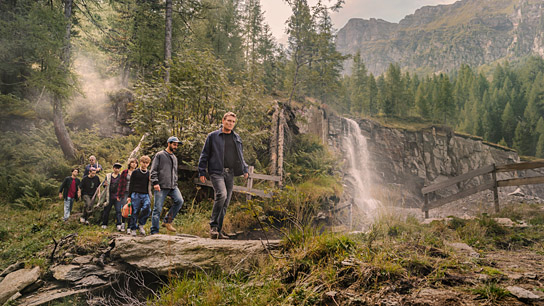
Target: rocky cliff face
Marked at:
405, 161
440, 38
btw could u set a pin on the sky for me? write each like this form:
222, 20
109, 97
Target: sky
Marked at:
277, 12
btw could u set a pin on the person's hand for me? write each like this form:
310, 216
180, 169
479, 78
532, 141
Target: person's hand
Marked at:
128, 200
157, 187
118, 199
246, 175
203, 179
60, 195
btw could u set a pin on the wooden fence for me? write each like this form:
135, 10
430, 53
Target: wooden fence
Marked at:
494, 184
248, 189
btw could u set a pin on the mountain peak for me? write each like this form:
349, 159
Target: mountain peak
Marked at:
442, 37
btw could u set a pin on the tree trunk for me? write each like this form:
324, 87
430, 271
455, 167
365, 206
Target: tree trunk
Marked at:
67, 43
63, 137
281, 141
168, 41
274, 142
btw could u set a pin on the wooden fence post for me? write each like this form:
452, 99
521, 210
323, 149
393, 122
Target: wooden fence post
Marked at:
425, 208
495, 189
250, 182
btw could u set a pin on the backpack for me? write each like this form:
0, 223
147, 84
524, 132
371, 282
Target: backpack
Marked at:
126, 211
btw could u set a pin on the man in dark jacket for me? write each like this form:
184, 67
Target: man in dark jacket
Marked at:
89, 189
223, 156
164, 178
69, 192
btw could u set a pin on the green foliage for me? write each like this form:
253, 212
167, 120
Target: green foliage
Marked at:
508, 106
308, 158
491, 292
209, 289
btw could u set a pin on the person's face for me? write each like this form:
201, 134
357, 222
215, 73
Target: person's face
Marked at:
133, 164
229, 122
116, 170
144, 164
75, 172
92, 160
173, 146
92, 173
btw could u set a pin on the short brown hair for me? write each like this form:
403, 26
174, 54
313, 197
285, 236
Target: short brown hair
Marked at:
145, 158
130, 160
229, 114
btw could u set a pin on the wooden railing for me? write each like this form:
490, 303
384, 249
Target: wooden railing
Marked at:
248, 189
494, 184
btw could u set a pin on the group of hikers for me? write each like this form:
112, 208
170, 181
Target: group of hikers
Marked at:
221, 158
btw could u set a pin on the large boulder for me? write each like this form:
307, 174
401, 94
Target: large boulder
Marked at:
17, 281
163, 253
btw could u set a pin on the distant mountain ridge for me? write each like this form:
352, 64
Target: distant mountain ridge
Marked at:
441, 38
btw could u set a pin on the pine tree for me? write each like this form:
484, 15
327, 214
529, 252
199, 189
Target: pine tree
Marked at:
422, 105
523, 139
393, 90
509, 124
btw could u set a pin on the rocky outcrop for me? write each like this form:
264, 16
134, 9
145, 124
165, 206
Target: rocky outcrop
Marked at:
440, 38
162, 254
405, 161
17, 281
133, 259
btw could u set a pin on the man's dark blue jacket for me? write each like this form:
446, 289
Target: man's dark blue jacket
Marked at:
213, 154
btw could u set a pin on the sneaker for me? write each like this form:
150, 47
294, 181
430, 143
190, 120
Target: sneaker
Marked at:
214, 234
222, 236
87, 222
128, 231
142, 230
133, 233
118, 227
104, 226
169, 227
82, 220
122, 227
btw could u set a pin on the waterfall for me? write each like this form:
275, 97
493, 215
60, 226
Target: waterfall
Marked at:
358, 175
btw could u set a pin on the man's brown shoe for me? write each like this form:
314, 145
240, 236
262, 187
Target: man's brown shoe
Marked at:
169, 227
214, 234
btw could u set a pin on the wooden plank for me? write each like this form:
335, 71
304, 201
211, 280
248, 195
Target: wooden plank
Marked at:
267, 177
241, 189
457, 179
457, 196
249, 181
188, 168
426, 210
495, 191
274, 178
521, 181
521, 166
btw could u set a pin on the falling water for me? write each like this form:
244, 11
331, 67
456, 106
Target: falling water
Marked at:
359, 175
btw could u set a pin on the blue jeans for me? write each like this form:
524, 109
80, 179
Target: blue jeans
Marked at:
106, 213
68, 203
160, 196
222, 186
141, 207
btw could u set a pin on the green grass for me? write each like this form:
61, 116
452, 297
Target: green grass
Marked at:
27, 235
312, 262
